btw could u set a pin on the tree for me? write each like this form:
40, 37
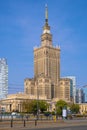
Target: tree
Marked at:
33, 106
27, 106
43, 106
59, 106
74, 108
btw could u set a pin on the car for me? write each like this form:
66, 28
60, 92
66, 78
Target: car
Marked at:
13, 113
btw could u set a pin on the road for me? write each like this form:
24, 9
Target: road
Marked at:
64, 128
45, 125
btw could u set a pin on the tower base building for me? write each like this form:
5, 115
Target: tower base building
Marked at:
47, 82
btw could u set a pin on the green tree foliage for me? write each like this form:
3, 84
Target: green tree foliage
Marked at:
43, 105
27, 106
59, 106
33, 105
74, 108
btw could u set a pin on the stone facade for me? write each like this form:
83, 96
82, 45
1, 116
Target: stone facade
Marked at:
47, 63
65, 89
41, 87
83, 108
13, 102
47, 82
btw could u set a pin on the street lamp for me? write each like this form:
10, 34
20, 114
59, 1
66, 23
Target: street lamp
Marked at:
37, 103
38, 97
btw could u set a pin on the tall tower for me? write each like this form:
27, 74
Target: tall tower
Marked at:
47, 57
3, 78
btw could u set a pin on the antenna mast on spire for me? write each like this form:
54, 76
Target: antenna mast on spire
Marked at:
46, 13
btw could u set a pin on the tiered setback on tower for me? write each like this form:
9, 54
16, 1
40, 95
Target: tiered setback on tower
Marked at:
46, 79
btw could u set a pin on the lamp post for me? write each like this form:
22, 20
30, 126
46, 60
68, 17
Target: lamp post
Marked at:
38, 97
37, 103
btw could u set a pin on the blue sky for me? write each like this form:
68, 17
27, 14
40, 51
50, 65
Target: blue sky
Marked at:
21, 23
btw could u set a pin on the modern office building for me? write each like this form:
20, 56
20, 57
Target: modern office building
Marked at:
84, 88
3, 78
79, 96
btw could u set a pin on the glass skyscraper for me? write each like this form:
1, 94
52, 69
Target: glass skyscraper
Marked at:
84, 88
73, 84
79, 95
3, 78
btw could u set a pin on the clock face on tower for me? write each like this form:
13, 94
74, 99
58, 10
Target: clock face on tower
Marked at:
46, 31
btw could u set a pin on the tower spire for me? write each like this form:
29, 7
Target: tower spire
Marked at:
46, 13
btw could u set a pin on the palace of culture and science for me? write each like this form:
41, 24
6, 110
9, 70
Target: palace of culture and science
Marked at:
47, 82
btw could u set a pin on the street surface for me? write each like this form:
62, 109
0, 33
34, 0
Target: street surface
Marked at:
65, 128
44, 125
